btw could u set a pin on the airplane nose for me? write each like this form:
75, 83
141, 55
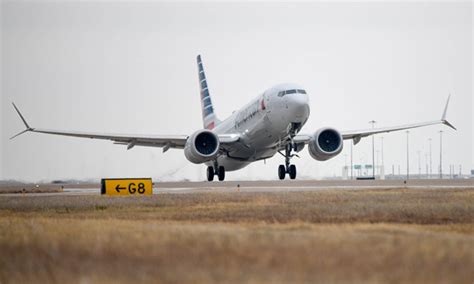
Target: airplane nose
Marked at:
298, 105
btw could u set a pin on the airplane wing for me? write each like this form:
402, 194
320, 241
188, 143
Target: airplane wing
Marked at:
163, 141
356, 135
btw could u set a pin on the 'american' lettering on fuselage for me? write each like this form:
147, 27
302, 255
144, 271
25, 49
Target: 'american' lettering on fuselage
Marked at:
247, 114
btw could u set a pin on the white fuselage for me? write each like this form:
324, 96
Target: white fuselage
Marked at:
263, 124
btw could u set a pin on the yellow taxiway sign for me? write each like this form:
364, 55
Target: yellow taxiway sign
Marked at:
127, 186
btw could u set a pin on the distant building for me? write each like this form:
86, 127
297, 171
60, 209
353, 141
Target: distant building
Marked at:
472, 173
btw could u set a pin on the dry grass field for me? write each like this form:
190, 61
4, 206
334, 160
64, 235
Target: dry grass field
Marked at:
328, 236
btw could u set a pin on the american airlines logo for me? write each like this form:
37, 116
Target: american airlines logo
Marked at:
210, 126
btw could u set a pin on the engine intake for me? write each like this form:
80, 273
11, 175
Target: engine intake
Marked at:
325, 144
201, 146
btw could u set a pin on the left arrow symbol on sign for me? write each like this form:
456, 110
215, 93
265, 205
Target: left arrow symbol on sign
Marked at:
118, 188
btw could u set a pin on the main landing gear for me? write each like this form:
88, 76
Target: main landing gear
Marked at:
287, 168
211, 172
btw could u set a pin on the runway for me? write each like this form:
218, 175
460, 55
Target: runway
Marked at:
308, 185
266, 186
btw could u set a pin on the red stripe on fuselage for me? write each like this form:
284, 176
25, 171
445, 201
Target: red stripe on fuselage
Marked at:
262, 105
210, 126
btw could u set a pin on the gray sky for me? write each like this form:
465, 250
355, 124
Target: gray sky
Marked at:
129, 67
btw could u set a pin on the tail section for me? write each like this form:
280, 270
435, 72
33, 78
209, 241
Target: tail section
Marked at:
209, 118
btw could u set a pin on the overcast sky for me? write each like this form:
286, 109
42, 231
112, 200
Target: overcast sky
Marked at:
129, 67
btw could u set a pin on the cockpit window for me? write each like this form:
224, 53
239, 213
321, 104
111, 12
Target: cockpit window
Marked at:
287, 92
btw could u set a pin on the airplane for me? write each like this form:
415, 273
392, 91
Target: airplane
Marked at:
267, 125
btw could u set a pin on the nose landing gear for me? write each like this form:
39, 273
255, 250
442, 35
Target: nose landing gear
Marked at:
287, 168
218, 170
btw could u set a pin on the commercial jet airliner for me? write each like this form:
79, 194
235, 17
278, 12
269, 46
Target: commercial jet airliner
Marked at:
267, 125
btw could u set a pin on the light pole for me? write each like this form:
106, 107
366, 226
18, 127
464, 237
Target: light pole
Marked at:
377, 160
352, 166
419, 163
373, 149
381, 154
426, 164
431, 161
408, 158
441, 154
345, 167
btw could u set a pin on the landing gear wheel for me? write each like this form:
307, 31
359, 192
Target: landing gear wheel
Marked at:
221, 173
281, 172
292, 171
210, 173
288, 168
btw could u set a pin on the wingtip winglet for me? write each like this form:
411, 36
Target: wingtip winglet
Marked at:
28, 127
443, 118
21, 116
445, 122
16, 135
446, 108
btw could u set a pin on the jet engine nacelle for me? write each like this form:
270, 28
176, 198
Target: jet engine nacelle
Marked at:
201, 146
325, 144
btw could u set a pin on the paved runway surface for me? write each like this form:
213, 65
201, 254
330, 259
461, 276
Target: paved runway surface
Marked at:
269, 186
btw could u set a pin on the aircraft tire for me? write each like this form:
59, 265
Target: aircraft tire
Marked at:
281, 172
292, 171
210, 173
221, 173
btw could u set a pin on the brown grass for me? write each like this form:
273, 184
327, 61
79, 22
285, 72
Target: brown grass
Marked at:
330, 206
414, 236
